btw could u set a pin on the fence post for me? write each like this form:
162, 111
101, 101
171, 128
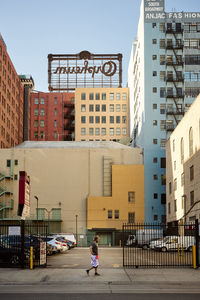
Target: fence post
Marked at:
197, 241
22, 243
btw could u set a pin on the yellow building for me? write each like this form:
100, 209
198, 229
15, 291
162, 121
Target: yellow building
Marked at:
106, 215
101, 114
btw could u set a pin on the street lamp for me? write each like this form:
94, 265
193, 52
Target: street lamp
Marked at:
48, 212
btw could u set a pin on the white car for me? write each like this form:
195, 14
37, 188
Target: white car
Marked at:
173, 243
63, 242
56, 244
69, 237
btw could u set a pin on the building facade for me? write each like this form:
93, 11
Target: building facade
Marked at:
183, 168
52, 116
101, 114
11, 101
71, 176
163, 78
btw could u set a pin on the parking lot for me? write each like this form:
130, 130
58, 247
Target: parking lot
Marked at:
80, 258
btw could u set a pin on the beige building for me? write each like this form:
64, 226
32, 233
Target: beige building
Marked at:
101, 114
64, 175
183, 168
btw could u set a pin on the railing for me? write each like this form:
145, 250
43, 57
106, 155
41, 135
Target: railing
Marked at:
170, 127
174, 30
171, 111
172, 95
176, 79
177, 46
175, 63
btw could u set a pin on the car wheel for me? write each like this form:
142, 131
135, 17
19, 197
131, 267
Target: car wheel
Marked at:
164, 249
190, 249
14, 260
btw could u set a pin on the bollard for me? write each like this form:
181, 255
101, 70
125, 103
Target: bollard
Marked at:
109, 244
194, 257
31, 257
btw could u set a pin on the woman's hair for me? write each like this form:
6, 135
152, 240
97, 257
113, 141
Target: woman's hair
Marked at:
96, 238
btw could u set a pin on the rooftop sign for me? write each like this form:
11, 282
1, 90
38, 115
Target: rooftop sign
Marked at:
69, 71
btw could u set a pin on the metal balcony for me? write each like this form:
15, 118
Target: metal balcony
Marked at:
67, 104
175, 96
175, 63
174, 79
170, 127
174, 46
174, 30
175, 111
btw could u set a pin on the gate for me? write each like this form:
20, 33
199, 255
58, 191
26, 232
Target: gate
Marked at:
158, 245
16, 240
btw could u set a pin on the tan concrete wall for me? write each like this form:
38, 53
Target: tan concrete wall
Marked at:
107, 102
64, 177
175, 167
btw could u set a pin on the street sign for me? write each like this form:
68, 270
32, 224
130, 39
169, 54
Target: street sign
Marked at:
43, 253
14, 230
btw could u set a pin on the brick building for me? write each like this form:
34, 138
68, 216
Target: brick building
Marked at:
11, 101
52, 116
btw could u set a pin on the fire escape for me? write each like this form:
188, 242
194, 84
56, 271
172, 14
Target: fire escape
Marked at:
175, 78
5, 202
69, 122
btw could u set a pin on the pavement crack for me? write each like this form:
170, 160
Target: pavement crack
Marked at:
127, 275
109, 286
45, 278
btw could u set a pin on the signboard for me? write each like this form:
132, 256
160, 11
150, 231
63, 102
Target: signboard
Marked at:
24, 195
81, 236
14, 230
154, 11
42, 253
70, 71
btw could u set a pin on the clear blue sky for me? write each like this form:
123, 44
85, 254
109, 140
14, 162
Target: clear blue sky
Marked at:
33, 29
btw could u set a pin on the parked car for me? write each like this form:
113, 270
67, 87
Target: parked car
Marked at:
142, 237
154, 242
65, 247
51, 247
10, 255
172, 243
56, 244
69, 237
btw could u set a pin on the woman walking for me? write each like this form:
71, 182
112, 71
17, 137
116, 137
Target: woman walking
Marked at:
94, 256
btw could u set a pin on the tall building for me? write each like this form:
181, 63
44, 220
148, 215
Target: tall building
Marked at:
101, 114
52, 116
183, 161
163, 77
11, 101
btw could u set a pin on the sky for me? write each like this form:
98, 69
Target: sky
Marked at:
33, 29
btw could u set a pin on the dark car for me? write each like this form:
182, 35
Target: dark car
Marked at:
10, 255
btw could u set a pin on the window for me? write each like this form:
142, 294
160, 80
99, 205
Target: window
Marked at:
162, 76
83, 108
162, 109
124, 96
154, 41
55, 123
155, 196
154, 57
124, 131
97, 119
55, 100
131, 217
154, 106
36, 112
103, 96
182, 150
111, 96
15, 177
170, 187
155, 177
103, 107
118, 119
116, 214
118, 96
162, 92
191, 173
123, 119
118, 107
97, 96
103, 119
109, 214
162, 124
103, 131
155, 160
155, 122
131, 197
182, 179
162, 27
83, 131
124, 108
154, 90
111, 107
163, 221
174, 165
154, 73
35, 134
183, 198
162, 59
191, 141
191, 198
36, 123
162, 44
36, 101
163, 179
153, 25
175, 205
169, 208
91, 107
91, 131
163, 198
155, 141
41, 134
16, 162
155, 217
55, 112
42, 112
118, 131
41, 100
83, 119
175, 184
83, 96
173, 145
111, 131
8, 163
111, 119
91, 96
97, 107
97, 131
163, 162
91, 119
